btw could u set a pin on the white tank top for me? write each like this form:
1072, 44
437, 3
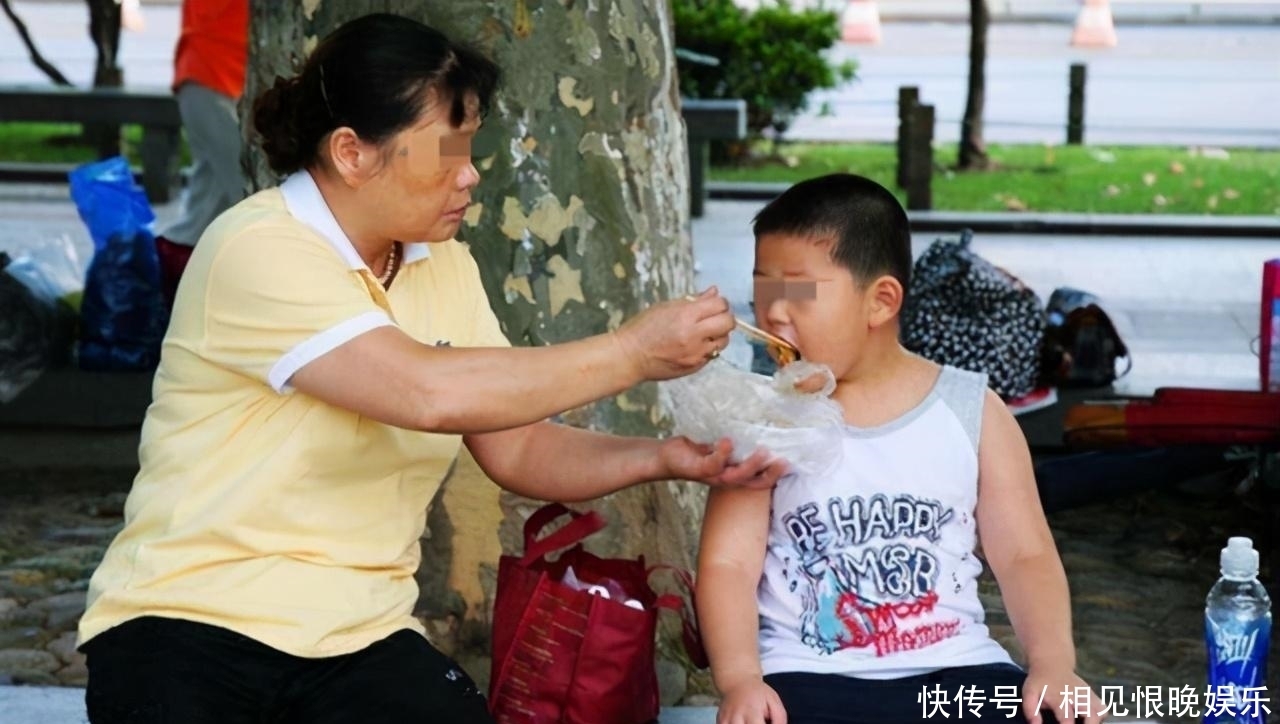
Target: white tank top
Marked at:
870, 569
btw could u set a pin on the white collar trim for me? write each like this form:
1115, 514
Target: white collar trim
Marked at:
304, 201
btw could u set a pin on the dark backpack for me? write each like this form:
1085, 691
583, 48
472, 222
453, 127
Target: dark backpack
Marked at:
964, 311
1082, 346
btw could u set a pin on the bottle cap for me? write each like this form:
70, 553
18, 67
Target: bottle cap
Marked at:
1239, 560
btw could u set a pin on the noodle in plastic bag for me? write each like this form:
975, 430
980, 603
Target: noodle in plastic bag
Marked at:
756, 411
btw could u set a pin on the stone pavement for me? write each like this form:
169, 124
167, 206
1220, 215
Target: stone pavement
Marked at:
50, 705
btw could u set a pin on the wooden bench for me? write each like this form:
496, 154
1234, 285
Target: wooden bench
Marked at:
155, 110
706, 121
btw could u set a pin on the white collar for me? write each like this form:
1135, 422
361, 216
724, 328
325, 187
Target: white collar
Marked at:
304, 201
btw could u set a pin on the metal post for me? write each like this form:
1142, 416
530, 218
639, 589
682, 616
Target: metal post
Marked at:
1075, 105
908, 99
920, 172
699, 161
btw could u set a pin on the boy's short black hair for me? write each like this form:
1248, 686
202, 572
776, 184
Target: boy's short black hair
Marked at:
867, 226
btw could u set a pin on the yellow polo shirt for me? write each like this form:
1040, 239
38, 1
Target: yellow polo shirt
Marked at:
258, 508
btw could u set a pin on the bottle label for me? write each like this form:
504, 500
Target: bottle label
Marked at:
1237, 666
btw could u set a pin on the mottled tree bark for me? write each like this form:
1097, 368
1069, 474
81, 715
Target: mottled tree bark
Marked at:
973, 149
580, 220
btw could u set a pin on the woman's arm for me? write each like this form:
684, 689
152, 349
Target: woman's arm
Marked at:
385, 375
546, 461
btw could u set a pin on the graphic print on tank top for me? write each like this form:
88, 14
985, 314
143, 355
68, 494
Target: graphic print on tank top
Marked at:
866, 572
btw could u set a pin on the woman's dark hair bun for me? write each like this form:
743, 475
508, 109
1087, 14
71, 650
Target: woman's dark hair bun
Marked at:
275, 117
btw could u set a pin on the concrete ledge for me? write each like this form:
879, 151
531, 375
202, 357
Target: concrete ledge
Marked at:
54, 705
71, 398
56, 173
1163, 225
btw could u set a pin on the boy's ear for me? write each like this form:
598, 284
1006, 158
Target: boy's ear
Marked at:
885, 296
355, 160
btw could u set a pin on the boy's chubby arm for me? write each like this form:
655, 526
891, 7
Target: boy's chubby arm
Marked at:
735, 532
1024, 559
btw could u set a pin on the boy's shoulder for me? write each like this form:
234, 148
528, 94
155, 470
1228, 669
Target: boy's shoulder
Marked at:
965, 393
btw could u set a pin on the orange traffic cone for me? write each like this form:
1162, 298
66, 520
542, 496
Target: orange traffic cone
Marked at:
860, 22
1094, 26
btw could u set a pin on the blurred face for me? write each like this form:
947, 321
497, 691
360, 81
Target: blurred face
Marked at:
425, 186
803, 296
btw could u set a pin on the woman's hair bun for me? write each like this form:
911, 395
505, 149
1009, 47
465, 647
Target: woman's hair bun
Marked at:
275, 117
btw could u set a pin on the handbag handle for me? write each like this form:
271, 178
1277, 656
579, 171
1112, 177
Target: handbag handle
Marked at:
580, 527
689, 633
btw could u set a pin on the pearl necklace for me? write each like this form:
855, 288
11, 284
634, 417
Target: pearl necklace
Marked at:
392, 266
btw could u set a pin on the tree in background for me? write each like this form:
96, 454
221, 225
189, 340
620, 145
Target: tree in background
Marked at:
772, 57
37, 59
973, 149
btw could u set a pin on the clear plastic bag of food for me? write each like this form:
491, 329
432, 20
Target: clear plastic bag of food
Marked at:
790, 414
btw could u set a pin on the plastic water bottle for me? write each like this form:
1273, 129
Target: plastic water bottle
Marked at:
1237, 619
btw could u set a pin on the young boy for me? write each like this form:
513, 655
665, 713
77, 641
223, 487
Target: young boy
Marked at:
853, 597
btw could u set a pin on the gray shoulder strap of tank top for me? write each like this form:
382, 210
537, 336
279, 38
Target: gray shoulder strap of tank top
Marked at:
964, 392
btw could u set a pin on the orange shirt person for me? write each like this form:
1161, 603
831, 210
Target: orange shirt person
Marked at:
209, 72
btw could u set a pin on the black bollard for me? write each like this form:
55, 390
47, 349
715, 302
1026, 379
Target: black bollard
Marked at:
908, 99
920, 170
1075, 106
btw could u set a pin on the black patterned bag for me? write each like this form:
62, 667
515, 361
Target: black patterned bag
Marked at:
964, 311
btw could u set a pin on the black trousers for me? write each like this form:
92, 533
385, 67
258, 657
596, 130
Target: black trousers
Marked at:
833, 699
167, 671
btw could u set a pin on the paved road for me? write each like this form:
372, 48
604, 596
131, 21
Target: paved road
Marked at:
1182, 84
1125, 11
1196, 85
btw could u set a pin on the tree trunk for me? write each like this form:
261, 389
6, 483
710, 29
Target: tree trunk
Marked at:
580, 220
973, 149
104, 30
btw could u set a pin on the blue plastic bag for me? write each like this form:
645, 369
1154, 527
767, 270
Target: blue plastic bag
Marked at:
122, 316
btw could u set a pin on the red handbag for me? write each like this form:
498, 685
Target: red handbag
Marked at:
565, 654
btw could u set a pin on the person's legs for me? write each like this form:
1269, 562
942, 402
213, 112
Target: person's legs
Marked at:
166, 671
213, 134
173, 261
834, 699
217, 183
401, 679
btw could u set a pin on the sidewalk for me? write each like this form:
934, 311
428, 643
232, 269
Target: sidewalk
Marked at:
42, 705
1185, 299
50, 705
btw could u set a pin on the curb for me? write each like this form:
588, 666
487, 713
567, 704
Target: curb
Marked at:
1170, 225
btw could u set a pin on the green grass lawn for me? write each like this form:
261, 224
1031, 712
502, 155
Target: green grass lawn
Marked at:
1119, 180
60, 143
1113, 180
